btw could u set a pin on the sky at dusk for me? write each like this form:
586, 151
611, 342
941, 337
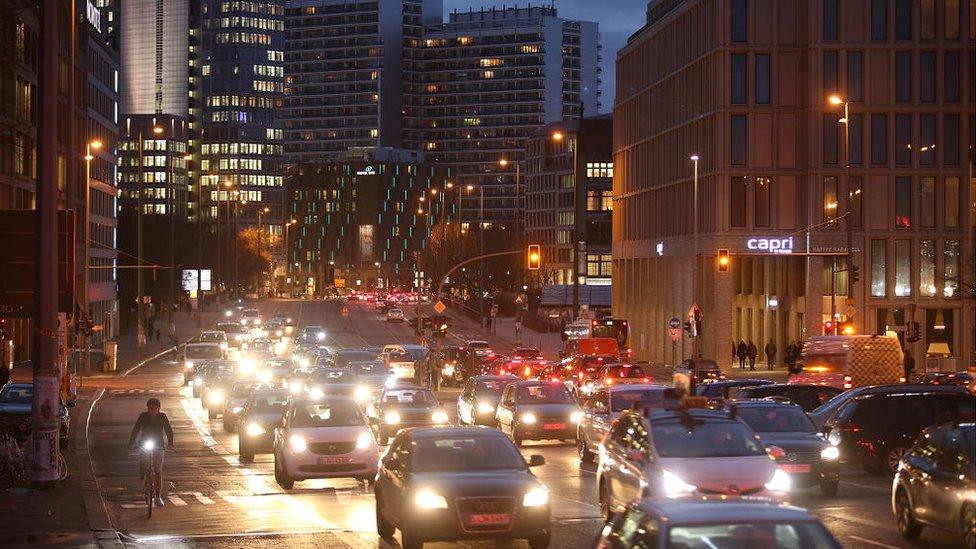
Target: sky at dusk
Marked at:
618, 19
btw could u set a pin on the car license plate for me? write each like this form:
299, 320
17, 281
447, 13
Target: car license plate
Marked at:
554, 426
795, 467
488, 519
333, 460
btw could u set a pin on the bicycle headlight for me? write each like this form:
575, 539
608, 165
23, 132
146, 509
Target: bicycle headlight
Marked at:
535, 497
148, 445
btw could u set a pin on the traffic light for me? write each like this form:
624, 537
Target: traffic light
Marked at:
724, 260
534, 257
855, 274
439, 325
846, 328
829, 328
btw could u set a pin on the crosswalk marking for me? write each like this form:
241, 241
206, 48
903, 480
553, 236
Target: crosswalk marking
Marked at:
120, 392
176, 500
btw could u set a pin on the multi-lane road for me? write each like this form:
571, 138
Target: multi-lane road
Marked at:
213, 500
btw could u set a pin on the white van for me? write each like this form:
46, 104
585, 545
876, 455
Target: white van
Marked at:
846, 362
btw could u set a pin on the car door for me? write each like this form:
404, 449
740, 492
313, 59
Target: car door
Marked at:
920, 468
948, 481
612, 461
506, 409
597, 418
632, 474
394, 476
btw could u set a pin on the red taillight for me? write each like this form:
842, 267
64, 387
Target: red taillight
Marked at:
647, 380
775, 452
528, 371
608, 381
555, 380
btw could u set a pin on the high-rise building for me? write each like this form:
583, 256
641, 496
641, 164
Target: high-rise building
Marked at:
241, 74
348, 65
750, 99
487, 81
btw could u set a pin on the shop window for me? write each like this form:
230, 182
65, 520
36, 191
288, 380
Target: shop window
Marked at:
903, 202
939, 332
903, 268
951, 269
879, 268
926, 202
926, 271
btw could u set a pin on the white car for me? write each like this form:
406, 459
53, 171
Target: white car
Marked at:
198, 354
394, 315
214, 336
401, 359
325, 437
250, 317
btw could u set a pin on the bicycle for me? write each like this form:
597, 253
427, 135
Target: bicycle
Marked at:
149, 487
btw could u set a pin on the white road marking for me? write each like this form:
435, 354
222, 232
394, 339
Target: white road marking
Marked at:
886, 490
176, 500
872, 542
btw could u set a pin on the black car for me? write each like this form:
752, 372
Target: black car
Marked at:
216, 391
794, 442
701, 370
16, 405
876, 430
235, 333
457, 483
538, 410
822, 414
806, 396
404, 406
259, 417
936, 483
479, 399
729, 388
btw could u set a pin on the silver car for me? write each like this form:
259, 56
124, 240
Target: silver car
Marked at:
606, 405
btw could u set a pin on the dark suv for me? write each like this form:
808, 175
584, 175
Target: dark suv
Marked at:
876, 430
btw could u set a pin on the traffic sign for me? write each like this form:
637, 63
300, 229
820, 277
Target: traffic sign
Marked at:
674, 323
439, 307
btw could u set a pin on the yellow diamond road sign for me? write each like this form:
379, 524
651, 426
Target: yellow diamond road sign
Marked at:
439, 307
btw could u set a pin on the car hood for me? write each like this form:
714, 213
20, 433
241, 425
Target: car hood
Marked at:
794, 441
452, 485
545, 410
265, 419
329, 434
746, 473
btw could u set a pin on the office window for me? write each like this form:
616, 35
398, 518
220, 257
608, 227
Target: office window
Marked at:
599, 201
950, 71
830, 131
950, 197
855, 72
830, 199
926, 23
830, 13
903, 77
903, 139
952, 18
855, 139
926, 139
762, 79
739, 20
830, 73
950, 152
903, 268
738, 140
926, 76
926, 268
855, 191
739, 78
903, 202
879, 19
951, 269
879, 268
903, 19
762, 201
926, 201
738, 193
879, 137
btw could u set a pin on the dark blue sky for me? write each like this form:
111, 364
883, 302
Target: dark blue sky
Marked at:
618, 19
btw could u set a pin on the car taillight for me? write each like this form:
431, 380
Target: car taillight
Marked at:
608, 381
647, 380
775, 452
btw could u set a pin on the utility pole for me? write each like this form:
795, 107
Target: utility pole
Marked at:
44, 415
695, 349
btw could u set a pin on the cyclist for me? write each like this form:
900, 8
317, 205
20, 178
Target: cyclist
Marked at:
151, 425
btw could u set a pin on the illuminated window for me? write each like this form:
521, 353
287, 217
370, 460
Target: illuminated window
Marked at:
488, 74
599, 201
374, 132
464, 40
530, 48
494, 62
433, 88
602, 170
472, 121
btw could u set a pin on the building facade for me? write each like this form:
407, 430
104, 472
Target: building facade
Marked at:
747, 91
356, 219
488, 80
558, 154
348, 66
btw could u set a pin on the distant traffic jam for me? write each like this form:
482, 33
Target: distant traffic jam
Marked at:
690, 459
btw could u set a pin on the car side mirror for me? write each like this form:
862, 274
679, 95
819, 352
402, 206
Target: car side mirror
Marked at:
536, 460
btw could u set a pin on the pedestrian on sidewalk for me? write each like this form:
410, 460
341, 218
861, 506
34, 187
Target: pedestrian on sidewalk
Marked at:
752, 351
741, 352
790, 357
770, 355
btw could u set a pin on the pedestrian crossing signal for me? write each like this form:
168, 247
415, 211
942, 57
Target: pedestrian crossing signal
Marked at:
534, 257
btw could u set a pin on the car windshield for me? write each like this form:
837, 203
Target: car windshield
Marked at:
647, 398
230, 328
241, 390
777, 419
338, 413
269, 403
799, 535
369, 368
550, 393
626, 371
490, 388
466, 453
697, 438
420, 397
213, 336
833, 404
204, 352
343, 358
250, 312
334, 376
18, 394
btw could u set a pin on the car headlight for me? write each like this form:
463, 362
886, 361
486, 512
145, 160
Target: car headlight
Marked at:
830, 453
237, 409
834, 437
674, 485
188, 364
295, 386
439, 416
425, 499
246, 366
320, 336
279, 333
485, 407
304, 363
449, 370
316, 393
288, 320
255, 430
392, 418
390, 381
576, 417
780, 482
528, 418
535, 497
228, 314
264, 376
364, 440
215, 397
298, 443
198, 381
362, 393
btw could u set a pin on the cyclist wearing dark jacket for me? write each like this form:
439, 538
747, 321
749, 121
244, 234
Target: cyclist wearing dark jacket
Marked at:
151, 426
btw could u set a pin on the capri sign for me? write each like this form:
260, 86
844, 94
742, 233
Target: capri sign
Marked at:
771, 245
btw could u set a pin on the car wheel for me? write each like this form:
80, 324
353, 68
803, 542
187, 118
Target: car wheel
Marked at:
516, 436
281, 477
828, 488
383, 527
892, 457
968, 519
409, 540
540, 540
605, 509
585, 455
905, 517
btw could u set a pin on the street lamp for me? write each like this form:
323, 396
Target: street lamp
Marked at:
91, 146
695, 351
837, 101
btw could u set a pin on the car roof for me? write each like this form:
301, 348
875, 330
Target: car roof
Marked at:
737, 382
413, 347
636, 386
697, 413
679, 513
535, 382
764, 403
907, 388
448, 430
407, 388
307, 399
494, 378
264, 392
